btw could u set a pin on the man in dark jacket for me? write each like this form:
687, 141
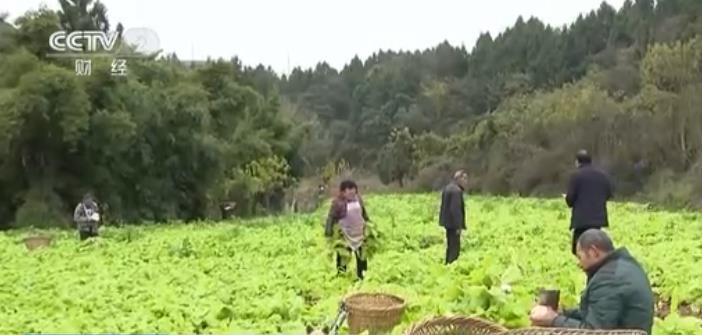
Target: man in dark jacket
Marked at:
452, 214
618, 293
589, 190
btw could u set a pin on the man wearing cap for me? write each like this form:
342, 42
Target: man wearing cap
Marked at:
589, 190
452, 214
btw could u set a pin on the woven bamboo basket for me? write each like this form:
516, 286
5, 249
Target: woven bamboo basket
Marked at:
375, 312
564, 331
35, 242
455, 325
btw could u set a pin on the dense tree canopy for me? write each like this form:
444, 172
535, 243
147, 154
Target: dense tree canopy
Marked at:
173, 140
621, 83
161, 143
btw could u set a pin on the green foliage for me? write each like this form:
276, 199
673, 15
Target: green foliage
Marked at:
532, 94
429, 145
41, 208
164, 142
527, 145
43, 119
269, 174
334, 169
76, 15
34, 29
676, 324
399, 159
272, 275
156, 145
8, 34
262, 179
673, 67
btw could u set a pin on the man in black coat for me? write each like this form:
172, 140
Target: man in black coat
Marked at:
452, 214
589, 190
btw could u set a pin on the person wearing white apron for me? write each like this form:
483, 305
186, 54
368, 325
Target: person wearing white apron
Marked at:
349, 235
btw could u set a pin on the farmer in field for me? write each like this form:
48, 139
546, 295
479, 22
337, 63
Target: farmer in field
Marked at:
589, 190
618, 294
452, 214
347, 228
87, 216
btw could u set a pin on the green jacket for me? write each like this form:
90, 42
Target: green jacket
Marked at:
618, 295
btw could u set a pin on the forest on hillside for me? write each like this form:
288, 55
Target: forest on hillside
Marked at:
173, 140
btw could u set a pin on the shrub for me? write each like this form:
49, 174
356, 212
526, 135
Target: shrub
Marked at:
42, 208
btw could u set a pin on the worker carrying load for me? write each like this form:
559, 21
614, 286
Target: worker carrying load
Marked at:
347, 228
87, 217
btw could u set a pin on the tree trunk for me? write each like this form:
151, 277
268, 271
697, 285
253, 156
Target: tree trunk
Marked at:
683, 147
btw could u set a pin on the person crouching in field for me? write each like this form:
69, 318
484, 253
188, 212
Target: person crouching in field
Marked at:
87, 217
617, 295
347, 228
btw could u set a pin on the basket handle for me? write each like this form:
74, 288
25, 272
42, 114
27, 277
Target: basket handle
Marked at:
340, 317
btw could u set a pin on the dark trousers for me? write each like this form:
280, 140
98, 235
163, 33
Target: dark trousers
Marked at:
576, 235
86, 234
87, 230
361, 264
453, 245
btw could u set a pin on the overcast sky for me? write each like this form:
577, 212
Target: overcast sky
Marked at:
289, 33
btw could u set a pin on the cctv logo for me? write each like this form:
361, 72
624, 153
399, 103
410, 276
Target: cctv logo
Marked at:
75, 41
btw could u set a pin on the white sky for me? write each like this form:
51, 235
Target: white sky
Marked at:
306, 32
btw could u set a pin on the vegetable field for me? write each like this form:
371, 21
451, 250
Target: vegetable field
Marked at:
274, 275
